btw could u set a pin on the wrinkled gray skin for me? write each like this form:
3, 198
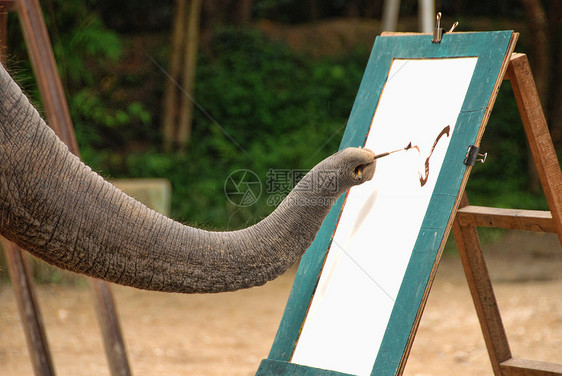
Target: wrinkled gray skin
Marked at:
57, 208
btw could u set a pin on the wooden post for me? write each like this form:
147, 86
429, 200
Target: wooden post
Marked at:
390, 12
58, 116
30, 315
169, 116
190, 64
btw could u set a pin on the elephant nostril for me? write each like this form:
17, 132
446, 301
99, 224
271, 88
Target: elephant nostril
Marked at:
358, 171
364, 172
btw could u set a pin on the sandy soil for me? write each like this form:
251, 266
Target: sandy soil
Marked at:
229, 334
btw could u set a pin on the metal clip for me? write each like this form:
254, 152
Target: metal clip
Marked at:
472, 156
453, 27
437, 31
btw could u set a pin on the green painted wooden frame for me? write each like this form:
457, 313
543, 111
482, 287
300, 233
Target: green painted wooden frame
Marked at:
492, 50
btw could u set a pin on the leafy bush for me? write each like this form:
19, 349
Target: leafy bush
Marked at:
261, 107
87, 54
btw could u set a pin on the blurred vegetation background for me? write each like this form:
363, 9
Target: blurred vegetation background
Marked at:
273, 85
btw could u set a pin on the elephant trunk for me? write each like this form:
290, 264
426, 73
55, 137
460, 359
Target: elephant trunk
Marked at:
57, 208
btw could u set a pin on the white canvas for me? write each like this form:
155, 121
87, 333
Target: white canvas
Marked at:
381, 219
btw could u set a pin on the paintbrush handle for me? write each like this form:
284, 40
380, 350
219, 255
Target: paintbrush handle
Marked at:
377, 156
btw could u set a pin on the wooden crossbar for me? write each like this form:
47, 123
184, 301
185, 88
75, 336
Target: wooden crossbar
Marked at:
508, 219
525, 367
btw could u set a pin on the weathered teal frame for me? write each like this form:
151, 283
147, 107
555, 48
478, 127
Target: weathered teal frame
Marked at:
492, 49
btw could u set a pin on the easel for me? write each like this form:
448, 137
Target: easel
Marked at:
56, 109
469, 217
514, 67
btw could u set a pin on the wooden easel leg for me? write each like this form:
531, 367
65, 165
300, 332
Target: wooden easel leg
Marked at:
29, 309
110, 328
482, 292
544, 155
538, 135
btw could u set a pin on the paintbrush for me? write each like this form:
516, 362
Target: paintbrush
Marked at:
408, 147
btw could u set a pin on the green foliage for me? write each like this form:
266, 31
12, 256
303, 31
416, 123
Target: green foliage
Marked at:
89, 42
265, 89
260, 106
270, 109
96, 122
87, 54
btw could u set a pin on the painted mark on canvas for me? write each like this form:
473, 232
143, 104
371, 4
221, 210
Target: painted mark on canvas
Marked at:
423, 179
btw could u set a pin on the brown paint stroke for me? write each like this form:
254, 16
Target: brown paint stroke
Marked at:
423, 179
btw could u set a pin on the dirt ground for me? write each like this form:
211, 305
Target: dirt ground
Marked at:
229, 334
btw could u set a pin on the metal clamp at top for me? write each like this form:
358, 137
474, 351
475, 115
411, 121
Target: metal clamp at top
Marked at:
438, 31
